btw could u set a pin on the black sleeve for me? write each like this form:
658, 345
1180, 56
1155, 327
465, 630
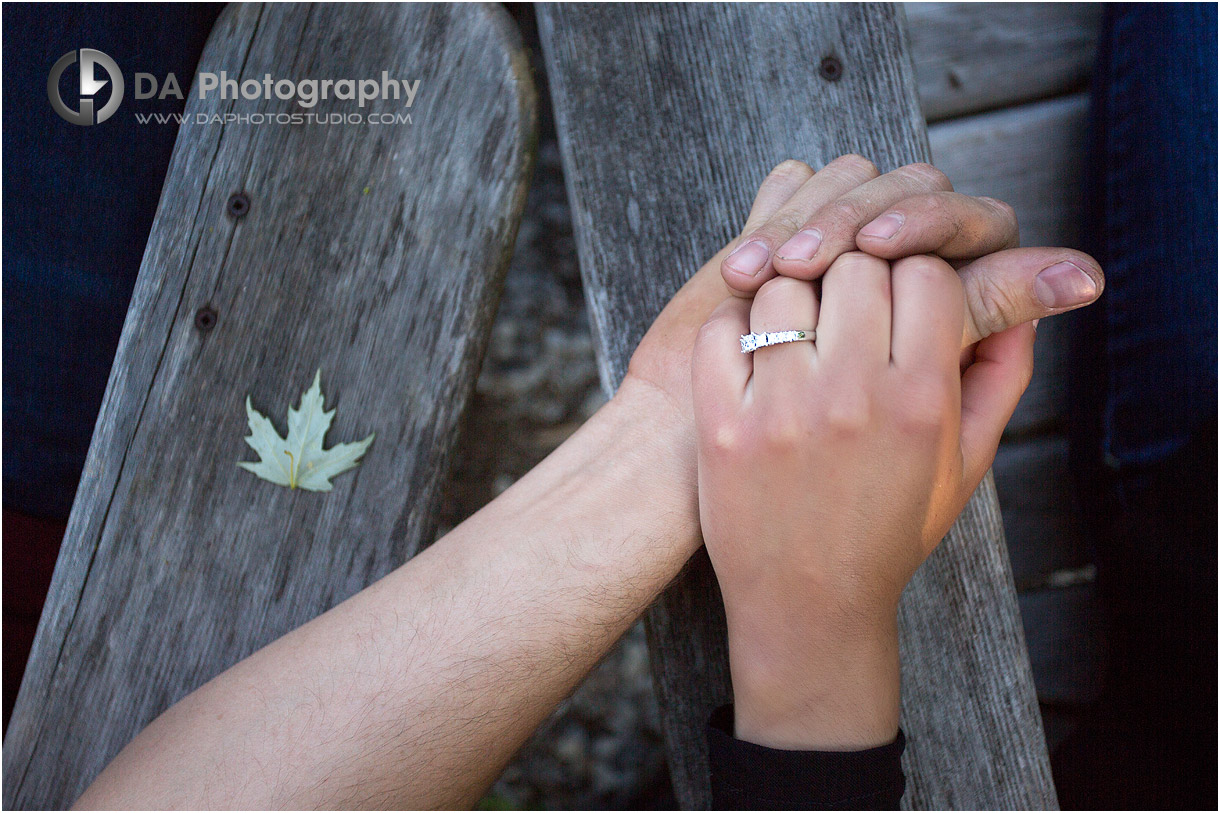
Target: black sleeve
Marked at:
746, 776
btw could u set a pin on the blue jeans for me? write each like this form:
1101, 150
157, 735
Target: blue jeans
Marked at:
1143, 427
78, 206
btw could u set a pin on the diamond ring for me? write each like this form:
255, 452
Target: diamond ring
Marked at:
752, 341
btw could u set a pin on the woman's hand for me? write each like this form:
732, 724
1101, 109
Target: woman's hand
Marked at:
828, 471
1003, 286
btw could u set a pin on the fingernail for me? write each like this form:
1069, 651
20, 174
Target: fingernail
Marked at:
1036, 325
801, 246
748, 259
1063, 285
884, 227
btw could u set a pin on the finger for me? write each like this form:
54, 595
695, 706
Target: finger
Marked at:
750, 264
991, 388
747, 257
777, 188
854, 322
927, 314
948, 224
1011, 287
719, 370
838, 223
783, 304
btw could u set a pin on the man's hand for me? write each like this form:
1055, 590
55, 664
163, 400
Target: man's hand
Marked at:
828, 471
421, 663
912, 210
847, 202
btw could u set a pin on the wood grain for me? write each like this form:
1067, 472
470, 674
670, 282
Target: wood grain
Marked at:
971, 57
373, 252
668, 119
1032, 157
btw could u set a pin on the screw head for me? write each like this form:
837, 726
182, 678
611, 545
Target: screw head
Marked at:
205, 318
831, 69
238, 205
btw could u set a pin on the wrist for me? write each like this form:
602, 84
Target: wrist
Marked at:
814, 683
623, 487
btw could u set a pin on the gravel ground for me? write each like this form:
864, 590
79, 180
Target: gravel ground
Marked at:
602, 749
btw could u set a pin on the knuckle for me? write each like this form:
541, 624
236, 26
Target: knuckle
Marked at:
782, 225
992, 307
791, 169
780, 289
1004, 208
726, 318
923, 265
935, 206
927, 175
924, 410
846, 213
855, 165
1007, 221
707, 337
723, 438
773, 302
927, 269
854, 261
848, 414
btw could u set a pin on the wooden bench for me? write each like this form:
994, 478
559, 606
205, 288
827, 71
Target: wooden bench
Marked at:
1004, 89
112, 650
703, 99
375, 253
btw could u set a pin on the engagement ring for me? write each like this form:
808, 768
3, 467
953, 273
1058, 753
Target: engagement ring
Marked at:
752, 341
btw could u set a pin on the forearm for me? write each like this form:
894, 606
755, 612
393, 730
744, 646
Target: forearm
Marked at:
417, 691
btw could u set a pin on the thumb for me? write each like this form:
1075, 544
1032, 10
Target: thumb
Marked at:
1011, 287
991, 388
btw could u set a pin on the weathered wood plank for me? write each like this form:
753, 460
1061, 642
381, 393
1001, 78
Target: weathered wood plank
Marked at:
1064, 630
1033, 158
668, 118
1041, 524
373, 252
1051, 563
971, 57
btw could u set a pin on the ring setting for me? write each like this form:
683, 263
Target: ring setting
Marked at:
752, 341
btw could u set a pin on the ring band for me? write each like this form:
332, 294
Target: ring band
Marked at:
752, 341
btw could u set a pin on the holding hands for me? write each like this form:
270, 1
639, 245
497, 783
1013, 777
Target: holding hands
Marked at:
828, 470
848, 202
821, 475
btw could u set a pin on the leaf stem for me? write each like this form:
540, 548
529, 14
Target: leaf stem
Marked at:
292, 470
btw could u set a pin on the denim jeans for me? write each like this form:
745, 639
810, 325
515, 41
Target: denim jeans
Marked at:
78, 206
1143, 422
